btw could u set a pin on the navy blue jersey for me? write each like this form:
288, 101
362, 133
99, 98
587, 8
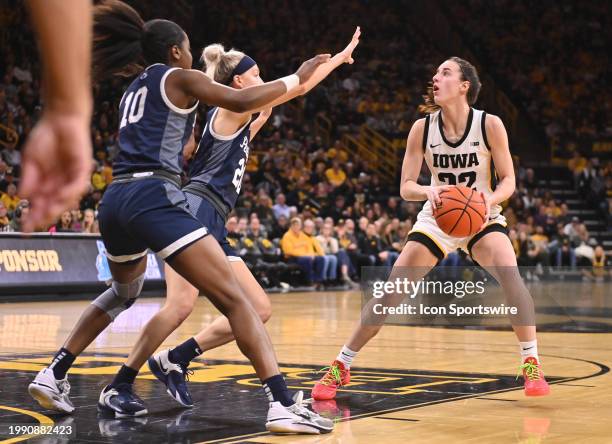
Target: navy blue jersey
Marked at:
152, 130
220, 161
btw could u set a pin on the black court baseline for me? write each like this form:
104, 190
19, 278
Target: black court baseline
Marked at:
230, 404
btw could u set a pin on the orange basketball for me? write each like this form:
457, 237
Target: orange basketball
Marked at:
462, 211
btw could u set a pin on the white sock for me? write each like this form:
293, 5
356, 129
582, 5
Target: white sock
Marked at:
529, 348
346, 356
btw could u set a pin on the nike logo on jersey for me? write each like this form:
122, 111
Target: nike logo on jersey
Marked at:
433, 146
464, 160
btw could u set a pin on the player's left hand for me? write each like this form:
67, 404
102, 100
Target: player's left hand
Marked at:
348, 51
487, 202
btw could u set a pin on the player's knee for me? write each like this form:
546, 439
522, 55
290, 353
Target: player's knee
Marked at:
183, 310
119, 297
264, 310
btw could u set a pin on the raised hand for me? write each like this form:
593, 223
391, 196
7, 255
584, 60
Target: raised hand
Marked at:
348, 51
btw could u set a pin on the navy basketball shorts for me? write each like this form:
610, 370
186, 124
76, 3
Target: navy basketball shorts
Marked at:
208, 216
148, 213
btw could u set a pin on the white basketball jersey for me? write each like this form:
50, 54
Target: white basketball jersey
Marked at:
467, 162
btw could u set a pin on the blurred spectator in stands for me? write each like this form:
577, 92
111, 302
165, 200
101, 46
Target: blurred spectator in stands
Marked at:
3, 174
4, 219
280, 227
11, 156
571, 230
330, 265
331, 246
391, 240
20, 214
304, 250
336, 175
370, 245
90, 224
263, 209
530, 181
10, 198
281, 208
256, 230
233, 235
64, 225
98, 178
338, 210
77, 218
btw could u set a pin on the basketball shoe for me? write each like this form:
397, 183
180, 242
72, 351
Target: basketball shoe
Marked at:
337, 376
535, 383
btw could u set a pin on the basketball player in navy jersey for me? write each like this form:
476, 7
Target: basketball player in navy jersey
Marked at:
453, 128
145, 208
215, 180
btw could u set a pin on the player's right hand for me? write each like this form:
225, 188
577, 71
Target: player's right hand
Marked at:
56, 167
433, 195
308, 67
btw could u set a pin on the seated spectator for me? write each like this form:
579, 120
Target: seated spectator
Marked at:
11, 156
370, 245
64, 225
77, 218
335, 175
256, 229
279, 227
98, 178
90, 224
20, 214
330, 246
281, 208
303, 250
10, 198
4, 219
330, 264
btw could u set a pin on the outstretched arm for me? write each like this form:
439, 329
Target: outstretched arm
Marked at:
185, 83
323, 70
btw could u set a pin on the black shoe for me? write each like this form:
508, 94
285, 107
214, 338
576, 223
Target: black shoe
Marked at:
121, 401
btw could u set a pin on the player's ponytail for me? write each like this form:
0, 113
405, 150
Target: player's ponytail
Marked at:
123, 43
219, 64
469, 73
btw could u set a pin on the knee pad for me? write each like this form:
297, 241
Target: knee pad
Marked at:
119, 297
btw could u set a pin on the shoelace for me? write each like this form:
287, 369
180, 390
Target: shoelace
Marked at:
532, 371
186, 371
333, 375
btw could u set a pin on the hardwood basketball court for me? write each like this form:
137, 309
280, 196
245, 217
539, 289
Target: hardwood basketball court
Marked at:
410, 384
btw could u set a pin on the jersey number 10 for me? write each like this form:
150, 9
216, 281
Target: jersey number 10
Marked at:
133, 110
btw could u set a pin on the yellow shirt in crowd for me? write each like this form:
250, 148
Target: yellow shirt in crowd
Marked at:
336, 178
10, 202
300, 245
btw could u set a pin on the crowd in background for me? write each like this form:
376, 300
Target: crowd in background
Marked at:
318, 212
554, 57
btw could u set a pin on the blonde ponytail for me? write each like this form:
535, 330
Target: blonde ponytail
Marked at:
219, 63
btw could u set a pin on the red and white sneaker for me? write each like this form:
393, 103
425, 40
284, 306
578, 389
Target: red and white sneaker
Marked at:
535, 383
337, 376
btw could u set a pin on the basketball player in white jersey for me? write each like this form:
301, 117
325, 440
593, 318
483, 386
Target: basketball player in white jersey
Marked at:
461, 146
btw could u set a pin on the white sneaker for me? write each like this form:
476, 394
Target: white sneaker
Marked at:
51, 393
296, 419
